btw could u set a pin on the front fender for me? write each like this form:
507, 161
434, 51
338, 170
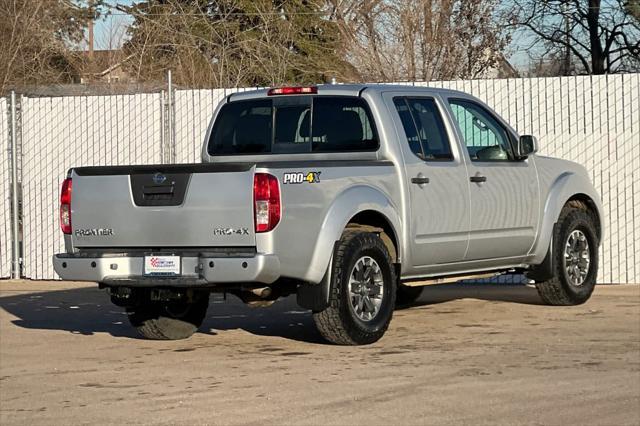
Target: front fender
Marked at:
563, 188
345, 206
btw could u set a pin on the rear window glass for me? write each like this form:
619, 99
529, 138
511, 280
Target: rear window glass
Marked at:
293, 124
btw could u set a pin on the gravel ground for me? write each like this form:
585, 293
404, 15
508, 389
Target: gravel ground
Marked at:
465, 354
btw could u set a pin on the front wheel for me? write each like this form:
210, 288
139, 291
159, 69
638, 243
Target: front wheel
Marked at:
169, 320
362, 293
575, 247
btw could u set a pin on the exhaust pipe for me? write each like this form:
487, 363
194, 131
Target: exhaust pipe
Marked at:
262, 292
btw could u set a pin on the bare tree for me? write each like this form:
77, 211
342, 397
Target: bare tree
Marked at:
37, 37
177, 35
422, 39
602, 36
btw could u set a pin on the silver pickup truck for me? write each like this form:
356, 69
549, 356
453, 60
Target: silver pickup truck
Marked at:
352, 197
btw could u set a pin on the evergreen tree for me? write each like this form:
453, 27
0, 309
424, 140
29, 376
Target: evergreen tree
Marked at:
227, 43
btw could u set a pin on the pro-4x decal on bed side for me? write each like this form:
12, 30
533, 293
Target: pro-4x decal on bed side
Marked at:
301, 177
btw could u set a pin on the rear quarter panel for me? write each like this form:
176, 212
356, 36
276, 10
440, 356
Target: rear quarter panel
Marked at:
314, 213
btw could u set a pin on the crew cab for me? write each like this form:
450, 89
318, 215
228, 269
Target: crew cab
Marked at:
352, 197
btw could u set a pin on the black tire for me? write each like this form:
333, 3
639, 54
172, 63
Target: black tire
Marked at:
559, 290
339, 322
406, 296
169, 321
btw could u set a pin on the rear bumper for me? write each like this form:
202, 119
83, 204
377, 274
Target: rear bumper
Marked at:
196, 270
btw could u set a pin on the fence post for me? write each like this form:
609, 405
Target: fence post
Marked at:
15, 229
163, 127
170, 117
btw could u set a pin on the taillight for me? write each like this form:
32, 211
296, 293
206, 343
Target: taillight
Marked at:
65, 206
312, 90
266, 201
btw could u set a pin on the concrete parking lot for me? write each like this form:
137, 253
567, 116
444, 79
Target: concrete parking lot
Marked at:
465, 354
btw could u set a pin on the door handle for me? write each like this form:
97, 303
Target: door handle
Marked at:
420, 180
478, 179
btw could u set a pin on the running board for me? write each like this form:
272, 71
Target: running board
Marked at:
451, 279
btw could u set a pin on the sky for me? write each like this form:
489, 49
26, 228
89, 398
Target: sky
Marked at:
110, 31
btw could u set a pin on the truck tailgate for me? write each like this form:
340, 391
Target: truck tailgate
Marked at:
163, 206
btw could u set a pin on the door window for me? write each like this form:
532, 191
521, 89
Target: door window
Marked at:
485, 138
424, 128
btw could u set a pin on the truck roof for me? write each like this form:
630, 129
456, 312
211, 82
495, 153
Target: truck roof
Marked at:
350, 90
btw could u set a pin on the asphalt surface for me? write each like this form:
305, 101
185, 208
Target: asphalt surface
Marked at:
465, 354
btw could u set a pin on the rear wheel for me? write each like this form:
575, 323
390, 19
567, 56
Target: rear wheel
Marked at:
169, 320
362, 293
576, 258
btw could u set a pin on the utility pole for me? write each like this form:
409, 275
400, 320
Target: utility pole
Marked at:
567, 52
90, 29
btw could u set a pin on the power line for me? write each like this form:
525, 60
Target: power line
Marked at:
174, 12
282, 12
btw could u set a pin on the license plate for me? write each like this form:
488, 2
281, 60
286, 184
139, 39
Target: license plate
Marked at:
162, 265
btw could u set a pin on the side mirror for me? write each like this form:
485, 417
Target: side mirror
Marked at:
527, 145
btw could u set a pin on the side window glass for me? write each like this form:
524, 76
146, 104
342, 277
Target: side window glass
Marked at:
424, 128
431, 130
485, 138
409, 126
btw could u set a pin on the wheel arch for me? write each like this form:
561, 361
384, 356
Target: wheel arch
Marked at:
592, 207
374, 221
358, 206
566, 188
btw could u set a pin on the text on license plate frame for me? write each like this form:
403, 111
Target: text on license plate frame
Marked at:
162, 265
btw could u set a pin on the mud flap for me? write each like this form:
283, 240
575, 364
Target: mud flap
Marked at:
316, 296
545, 270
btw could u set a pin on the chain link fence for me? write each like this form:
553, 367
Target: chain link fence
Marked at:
5, 192
593, 120
61, 132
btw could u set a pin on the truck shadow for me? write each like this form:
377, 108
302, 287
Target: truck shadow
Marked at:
512, 293
88, 311
83, 311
